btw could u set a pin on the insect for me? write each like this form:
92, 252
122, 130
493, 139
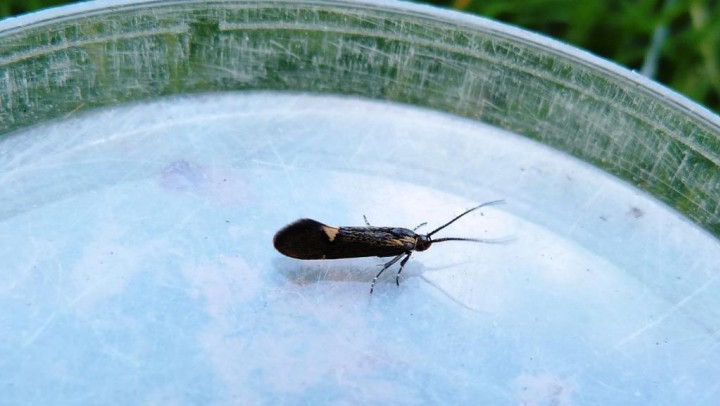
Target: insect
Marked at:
310, 239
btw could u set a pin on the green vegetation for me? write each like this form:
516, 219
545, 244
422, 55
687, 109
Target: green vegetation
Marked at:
14, 7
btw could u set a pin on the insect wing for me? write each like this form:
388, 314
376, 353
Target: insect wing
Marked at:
353, 242
310, 239
304, 239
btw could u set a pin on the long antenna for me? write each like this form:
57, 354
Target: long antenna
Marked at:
483, 240
456, 218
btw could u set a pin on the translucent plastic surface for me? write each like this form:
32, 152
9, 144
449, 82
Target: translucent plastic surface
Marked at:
136, 240
139, 264
103, 53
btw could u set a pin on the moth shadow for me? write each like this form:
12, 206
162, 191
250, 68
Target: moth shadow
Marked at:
301, 272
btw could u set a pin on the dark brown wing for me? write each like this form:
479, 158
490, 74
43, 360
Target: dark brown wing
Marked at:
304, 239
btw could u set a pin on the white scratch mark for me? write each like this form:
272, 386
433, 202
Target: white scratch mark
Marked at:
104, 39
281, 162
667, 314
39, 331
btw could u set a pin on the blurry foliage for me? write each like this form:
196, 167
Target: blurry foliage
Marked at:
14, 7
676, 42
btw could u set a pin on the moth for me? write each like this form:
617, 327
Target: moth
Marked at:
311, 239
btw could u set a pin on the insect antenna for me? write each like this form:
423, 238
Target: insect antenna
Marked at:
483, 240
456, 218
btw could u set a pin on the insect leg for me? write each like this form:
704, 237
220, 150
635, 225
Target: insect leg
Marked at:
402, 265
420, 225
366, 221
386, 266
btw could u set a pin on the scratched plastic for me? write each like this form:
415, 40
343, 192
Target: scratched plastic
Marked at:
149, 153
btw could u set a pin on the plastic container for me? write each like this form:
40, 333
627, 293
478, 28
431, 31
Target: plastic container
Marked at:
149, 150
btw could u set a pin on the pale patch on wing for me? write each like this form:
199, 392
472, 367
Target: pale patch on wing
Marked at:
405, 242
331, 232
409, 241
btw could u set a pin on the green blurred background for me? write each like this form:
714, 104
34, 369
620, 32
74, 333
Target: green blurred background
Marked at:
676, 42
